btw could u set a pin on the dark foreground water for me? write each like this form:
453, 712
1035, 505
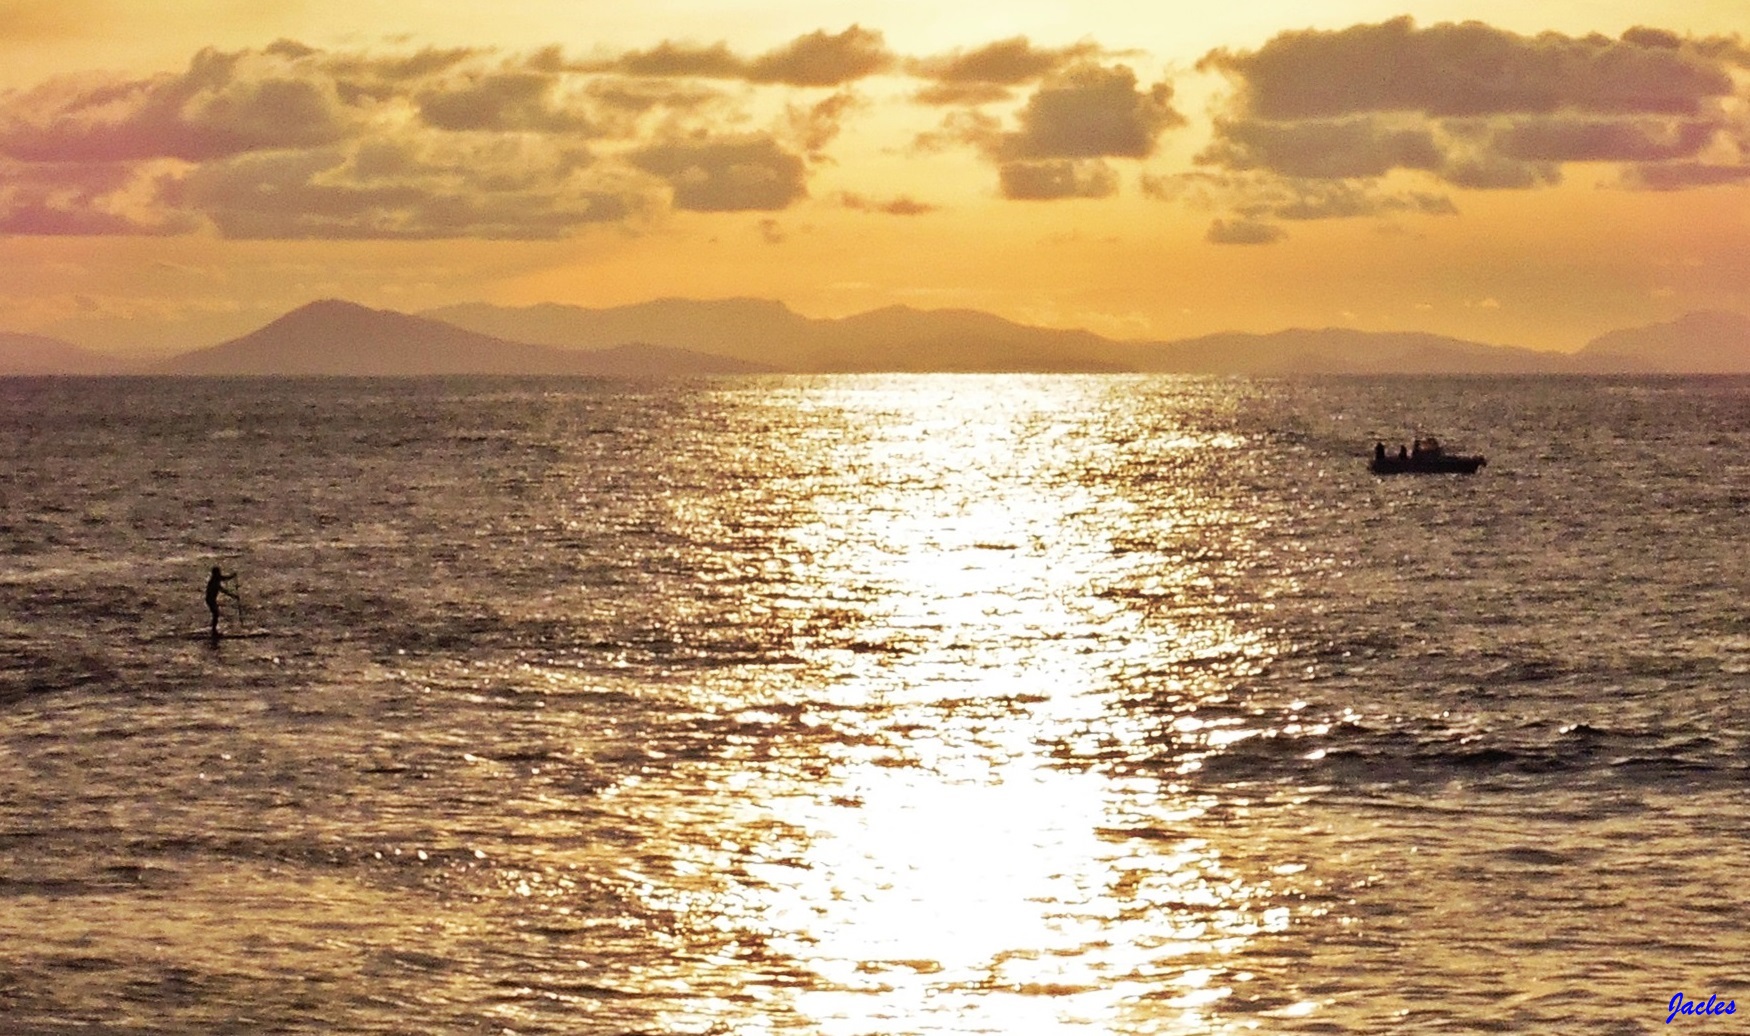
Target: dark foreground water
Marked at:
872, 705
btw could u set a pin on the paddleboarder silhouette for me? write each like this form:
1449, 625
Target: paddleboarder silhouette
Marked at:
216, 586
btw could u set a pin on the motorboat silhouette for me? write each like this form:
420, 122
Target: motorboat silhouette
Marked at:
1426, 458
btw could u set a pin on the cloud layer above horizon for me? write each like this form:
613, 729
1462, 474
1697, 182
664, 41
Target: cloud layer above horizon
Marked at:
290, 141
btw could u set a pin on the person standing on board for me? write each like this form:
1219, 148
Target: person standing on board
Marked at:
216, 586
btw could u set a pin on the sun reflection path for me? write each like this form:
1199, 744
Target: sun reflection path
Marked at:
950, 872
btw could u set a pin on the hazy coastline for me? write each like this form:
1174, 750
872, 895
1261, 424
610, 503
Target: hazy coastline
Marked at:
681, 337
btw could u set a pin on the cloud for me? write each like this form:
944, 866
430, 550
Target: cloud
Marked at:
984, 74
1473, 69
1243, 232
1087, 111
962, 94
1078, 116
72, 199
36, 218
726, 174
291, 141
1090, 111
636, 96
1676, 176
972, 129
491, 188
1061, 178
668, 59
1008, 62
1368, 147
1347, 201
294, 140
1470, 104
900, 206
630, 108
1592, 139
820, 59
222, 104
813, 59
502, 102
1261, 196
1325, 148
817, 125
361, 78
1484, 170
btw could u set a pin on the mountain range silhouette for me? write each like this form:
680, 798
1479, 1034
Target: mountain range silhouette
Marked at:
689, 337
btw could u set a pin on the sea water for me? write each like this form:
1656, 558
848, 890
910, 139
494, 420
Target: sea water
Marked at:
872, 705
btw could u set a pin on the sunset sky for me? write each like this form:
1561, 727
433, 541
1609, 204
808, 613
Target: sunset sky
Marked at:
175, 173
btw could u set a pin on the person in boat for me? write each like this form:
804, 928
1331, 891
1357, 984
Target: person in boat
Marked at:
1378, 452
1416, 450
1403, 454
216, 586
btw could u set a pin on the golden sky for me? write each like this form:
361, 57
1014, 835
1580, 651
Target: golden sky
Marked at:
172, 174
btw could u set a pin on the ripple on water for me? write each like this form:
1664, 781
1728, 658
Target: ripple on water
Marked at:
861, 704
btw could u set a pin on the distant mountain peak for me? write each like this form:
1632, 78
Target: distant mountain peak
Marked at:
335, 305
336, 337
339, 309
29, 354
1703, 341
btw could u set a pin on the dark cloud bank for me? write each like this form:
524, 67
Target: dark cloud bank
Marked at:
1470, 106
290, 141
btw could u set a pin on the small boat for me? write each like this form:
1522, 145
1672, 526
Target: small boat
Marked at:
1428, 459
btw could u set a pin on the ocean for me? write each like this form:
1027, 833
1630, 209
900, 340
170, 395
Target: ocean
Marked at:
857, 705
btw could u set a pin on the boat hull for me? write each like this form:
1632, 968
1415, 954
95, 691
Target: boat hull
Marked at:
1437, 465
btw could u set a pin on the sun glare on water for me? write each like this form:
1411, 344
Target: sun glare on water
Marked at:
942, 868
